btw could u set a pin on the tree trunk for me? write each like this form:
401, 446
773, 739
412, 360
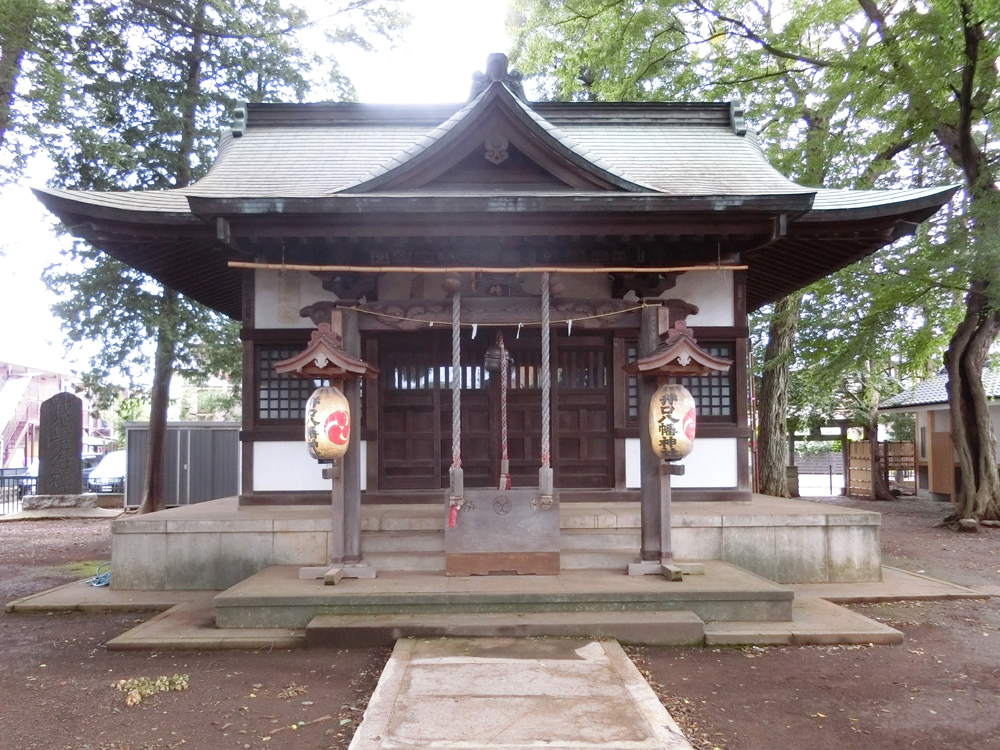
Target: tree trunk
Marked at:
972, 434
152, 490
152, 496
879, 483
772, 402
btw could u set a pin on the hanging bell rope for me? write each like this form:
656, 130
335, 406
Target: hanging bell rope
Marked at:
457, 484
505, 483
545, 472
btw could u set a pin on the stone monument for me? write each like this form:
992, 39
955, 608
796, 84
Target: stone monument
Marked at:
60, 471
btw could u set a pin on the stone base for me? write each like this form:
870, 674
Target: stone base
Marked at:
217, 544
83, 500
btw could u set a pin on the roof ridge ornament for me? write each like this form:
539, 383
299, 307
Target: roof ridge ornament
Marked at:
496, 70
737, 115
239, 118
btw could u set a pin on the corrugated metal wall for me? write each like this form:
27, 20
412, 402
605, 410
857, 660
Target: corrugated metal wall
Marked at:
202, 461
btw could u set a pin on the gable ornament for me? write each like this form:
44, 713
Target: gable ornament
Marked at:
496, 70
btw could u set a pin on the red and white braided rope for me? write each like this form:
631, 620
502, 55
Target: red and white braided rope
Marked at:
505, 483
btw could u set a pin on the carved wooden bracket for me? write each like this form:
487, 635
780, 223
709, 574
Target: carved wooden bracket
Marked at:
643, 284
350, 285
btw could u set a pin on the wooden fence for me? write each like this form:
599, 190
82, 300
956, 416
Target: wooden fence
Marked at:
897, 458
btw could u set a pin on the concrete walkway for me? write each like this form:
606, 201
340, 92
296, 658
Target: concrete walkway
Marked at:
515, 694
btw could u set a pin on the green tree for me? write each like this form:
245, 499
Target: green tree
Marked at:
921, 86
33, 36
150, 83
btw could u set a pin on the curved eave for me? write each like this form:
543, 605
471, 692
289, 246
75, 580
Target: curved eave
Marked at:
825, 240
176, 248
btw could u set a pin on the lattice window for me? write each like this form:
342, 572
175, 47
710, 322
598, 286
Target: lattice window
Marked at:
632, 383
418, 375
713, 395
281, 396
581, 369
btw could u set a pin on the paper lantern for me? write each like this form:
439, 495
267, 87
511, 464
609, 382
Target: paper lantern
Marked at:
672, 422
328, 424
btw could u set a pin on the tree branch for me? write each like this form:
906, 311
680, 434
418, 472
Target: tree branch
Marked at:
748, 33
199, 28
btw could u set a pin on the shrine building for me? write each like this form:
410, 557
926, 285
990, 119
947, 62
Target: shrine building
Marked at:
646, 217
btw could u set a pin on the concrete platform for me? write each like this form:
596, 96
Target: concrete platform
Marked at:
217, 544
896, 586
277, 598
80, 596
814, 622
467, 694
191, 625
814, 619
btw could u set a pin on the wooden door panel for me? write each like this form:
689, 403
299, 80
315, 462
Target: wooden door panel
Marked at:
415, 411
478, 451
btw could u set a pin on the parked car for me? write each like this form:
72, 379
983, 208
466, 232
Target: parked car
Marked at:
109, 474
88, 461
27, 482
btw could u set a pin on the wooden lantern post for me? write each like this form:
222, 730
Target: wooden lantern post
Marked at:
672, 423
328, 433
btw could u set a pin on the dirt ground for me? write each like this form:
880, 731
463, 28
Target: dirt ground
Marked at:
941, 688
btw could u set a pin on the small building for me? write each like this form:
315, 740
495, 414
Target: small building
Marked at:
938, 475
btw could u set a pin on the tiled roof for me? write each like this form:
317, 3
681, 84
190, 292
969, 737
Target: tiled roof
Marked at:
934, 391
694, 152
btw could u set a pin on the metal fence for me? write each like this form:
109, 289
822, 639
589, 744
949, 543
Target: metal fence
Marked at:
14, 485
202, 461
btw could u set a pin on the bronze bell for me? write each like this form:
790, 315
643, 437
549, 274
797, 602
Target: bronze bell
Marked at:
492, 363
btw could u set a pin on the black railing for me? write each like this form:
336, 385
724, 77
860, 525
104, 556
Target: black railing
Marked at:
14, 485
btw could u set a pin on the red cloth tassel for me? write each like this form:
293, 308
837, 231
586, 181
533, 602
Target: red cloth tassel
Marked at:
453, 516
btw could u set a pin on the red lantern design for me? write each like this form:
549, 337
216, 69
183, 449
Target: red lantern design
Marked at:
328, 424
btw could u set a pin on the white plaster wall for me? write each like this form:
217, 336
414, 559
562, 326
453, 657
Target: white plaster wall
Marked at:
279, 295
711, 291
712, 463
941, 420
288, 466
633, 472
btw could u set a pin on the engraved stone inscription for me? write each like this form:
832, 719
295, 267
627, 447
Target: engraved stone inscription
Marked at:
60, 445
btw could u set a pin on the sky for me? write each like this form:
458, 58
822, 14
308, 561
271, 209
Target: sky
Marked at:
446, 42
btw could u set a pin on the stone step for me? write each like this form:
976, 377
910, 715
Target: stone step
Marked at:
672, 628
277, 598
402, 541
573, 559
594, 539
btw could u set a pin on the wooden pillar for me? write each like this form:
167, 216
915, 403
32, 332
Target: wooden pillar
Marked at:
649, 339
336, 474
845, 452
352, 459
